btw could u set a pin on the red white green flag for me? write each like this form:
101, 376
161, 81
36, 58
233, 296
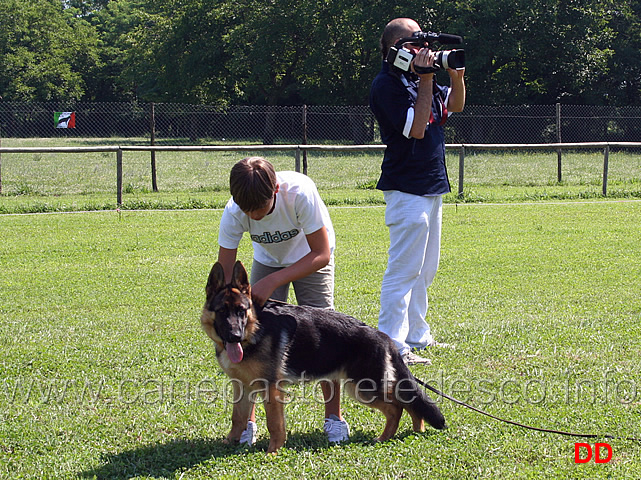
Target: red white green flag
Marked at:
64, 119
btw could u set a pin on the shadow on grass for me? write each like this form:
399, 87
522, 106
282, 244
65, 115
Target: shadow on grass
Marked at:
165, 459
159, 460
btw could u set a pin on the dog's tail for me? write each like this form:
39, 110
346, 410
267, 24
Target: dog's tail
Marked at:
417, 401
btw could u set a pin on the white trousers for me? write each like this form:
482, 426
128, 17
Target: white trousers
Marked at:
414, 224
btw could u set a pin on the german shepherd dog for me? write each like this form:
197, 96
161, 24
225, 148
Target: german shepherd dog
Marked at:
261, 348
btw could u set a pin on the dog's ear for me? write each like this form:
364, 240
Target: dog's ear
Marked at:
239, 278
216, 280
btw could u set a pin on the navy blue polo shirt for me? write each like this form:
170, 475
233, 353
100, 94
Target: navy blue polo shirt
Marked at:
410, 165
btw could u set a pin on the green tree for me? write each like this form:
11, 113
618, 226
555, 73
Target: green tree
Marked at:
343, 54
268, 45
87, 7
532, 51
283, 52
113, 21
309, 51
175, 52
45, 51
622, 80
257, 52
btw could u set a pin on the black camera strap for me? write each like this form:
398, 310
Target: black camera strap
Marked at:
410, 80
440, 99
425, 70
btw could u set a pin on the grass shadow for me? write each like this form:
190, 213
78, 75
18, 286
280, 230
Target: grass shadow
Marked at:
165, 459
160, 460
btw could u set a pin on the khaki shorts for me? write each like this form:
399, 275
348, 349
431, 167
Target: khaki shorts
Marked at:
315, 290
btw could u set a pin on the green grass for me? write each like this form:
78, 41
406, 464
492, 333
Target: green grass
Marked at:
40, 182
105, 372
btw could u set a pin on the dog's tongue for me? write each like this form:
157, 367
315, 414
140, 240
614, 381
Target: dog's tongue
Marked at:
235, 352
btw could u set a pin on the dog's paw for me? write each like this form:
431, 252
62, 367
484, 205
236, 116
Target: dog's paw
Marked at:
231, 441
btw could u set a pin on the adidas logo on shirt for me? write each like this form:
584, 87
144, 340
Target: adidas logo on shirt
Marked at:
276, 237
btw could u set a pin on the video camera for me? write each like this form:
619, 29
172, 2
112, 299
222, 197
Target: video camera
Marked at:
401, 58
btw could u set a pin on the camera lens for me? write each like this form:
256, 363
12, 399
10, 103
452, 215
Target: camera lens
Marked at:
454, 59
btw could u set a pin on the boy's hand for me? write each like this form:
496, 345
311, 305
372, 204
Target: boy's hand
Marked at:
262, 290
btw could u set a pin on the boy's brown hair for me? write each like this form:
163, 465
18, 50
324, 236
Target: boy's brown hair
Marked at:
252, 183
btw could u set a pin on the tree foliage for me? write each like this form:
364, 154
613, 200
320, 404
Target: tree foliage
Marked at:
281, 52
46, 53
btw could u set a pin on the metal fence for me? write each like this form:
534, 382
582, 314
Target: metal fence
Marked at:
300, 149
184, 124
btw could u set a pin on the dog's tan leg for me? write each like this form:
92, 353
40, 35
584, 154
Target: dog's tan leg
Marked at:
275, 413
240, 413
392, 412
418, 424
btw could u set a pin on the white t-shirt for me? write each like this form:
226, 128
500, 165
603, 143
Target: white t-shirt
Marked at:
279, 238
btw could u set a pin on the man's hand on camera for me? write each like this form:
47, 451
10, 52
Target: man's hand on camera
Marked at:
456, 99
456, 74
423, 63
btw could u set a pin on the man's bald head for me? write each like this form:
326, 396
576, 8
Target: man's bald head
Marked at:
397, 28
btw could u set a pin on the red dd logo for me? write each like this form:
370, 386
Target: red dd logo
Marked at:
587, 455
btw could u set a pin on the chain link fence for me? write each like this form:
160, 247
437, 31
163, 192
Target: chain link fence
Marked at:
171, 148
184, 124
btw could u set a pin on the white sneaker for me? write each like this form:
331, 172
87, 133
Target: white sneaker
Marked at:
410, 358
434, 343
336, 429
249, 434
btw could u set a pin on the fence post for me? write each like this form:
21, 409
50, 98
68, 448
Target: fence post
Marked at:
119, 177
0, 159
461, 169
606, 160
305, 139
297, 159
152, 120
304, 161
558, 140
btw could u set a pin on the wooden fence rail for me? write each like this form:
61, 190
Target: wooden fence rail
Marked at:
302, 166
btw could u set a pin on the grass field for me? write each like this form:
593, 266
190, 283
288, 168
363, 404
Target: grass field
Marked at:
45, 182
105, 372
